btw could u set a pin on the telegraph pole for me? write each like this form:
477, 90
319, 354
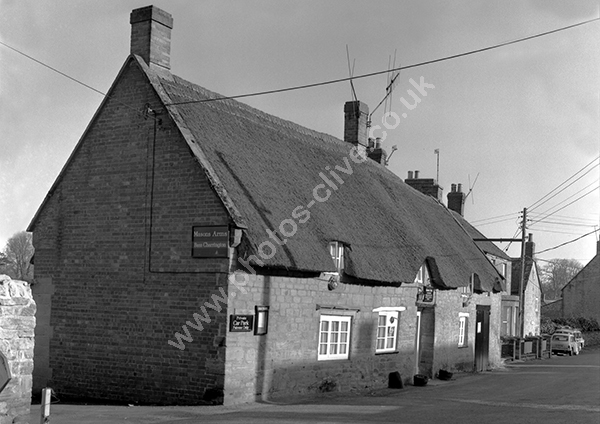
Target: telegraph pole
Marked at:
522, 285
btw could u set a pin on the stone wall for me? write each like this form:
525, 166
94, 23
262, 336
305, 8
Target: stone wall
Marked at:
17, 323
284, 362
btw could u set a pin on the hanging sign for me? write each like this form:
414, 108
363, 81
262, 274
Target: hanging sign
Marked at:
427, 294
210, 242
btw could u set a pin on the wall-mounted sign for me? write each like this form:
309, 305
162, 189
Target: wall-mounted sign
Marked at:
427, 294
210, 242
241, 323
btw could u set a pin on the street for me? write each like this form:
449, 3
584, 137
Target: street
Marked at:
559, 390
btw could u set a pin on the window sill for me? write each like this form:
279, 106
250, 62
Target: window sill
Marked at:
390, 352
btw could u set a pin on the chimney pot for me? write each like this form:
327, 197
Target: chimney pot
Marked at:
416, 175
378, 143
151, 35
456, 199
410, 175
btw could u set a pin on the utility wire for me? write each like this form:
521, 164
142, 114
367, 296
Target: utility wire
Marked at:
568, 204
567, 242
495, 217
533, 207
70, 77
429, 62
300, 87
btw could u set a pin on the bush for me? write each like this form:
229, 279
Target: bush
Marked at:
549, 326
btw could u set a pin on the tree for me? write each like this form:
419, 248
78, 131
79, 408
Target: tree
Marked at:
18, 253
556, 274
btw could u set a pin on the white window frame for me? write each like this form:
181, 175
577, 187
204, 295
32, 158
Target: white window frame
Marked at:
336, 250
331, 340
463, 329
392, 318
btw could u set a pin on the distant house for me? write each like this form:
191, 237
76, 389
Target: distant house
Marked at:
199, 250
581, 295
532, 293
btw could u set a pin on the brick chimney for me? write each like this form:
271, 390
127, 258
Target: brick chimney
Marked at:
356, 114
376, 152
529, 248
456, 199
151, 35
427, 186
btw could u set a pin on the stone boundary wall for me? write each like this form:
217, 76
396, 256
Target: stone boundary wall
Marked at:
17, 324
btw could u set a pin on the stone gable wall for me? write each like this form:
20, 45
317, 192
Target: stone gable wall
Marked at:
17, 323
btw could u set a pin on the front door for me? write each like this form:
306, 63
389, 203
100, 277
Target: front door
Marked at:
425, 334
482, 338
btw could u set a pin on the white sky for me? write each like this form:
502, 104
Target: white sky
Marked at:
525, 118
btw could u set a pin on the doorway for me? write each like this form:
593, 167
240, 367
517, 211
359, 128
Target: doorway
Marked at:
482, 338
424, 341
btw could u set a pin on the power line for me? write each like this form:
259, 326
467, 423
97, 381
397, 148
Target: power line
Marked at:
568, 204
70, 77
495, 217
300, 87
532, 207
372, 74
567, 242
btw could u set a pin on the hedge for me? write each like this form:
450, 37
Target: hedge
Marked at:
549, 325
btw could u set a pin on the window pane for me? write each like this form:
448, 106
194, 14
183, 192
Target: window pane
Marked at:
335, 326
343, 337
323, 337
380, 343
324, 325
344, 325
333, 349
322, 349
342, 349
390, 343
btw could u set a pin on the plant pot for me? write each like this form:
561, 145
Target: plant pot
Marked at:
420, 380
444, 375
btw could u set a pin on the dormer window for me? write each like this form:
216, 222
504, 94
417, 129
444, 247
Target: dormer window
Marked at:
467, 290
422, 277
336, 249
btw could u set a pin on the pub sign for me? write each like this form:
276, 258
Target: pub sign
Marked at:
210, 241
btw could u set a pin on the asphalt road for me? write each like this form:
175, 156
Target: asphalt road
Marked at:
559, 390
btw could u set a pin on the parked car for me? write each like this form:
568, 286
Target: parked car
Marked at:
576, 333
564, 343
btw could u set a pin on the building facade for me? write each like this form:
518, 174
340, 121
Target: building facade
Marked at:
581, 295
175, 265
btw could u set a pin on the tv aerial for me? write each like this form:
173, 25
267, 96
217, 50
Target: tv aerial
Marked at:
471, 189
392, 81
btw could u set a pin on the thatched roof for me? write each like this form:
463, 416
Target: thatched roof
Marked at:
264, 167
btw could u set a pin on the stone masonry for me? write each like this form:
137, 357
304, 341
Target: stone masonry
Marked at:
17, 323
